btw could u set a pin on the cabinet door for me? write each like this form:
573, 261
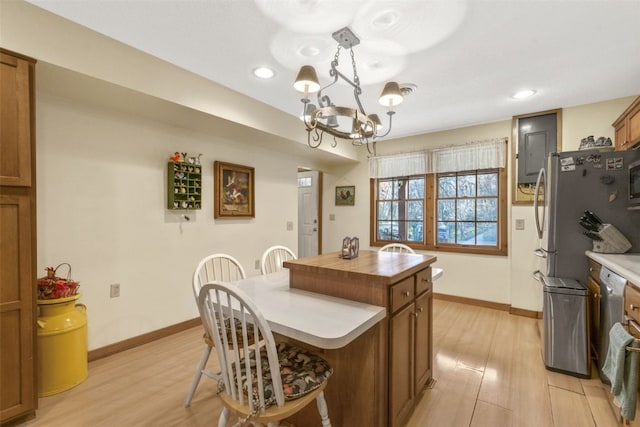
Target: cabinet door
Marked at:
401, 367
621, 141
15, 121
17, 301
423, 340
633, 125
594, 317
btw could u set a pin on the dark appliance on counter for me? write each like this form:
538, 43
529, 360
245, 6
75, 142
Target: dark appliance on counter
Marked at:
574, 182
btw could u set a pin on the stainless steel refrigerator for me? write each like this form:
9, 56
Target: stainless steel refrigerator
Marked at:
575, 182
579, 190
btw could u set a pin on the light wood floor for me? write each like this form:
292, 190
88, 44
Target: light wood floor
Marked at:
487, 363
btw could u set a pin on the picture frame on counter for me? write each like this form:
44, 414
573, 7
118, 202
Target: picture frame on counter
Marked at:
234, 190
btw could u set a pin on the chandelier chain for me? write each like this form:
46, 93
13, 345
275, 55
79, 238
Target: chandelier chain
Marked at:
356, 78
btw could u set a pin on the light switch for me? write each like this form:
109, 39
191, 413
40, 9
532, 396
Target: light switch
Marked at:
519, 224
332, 217
289, 225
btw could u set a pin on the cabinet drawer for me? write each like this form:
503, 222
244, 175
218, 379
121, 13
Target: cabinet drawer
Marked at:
423, 281
632, 302
402, 293
594, 270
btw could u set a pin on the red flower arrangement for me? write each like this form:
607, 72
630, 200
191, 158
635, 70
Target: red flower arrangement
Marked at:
54, 287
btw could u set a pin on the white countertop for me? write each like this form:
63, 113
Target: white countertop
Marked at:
626, 265
320, 320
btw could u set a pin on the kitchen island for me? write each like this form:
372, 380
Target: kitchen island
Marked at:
379, 376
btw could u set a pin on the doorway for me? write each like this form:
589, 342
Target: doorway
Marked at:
309, 213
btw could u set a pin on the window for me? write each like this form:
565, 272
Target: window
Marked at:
401, 209
467, 208
304, 181
454, 212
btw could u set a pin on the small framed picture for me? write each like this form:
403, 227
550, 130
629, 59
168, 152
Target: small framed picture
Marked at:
233, 194
346, 195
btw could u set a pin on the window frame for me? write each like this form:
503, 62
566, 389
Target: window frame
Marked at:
430, 221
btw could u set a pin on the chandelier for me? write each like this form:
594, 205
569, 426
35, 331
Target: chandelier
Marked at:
348, 123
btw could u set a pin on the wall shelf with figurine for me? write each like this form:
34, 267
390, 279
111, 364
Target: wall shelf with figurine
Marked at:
184, 182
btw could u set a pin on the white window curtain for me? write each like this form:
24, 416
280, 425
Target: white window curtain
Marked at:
487, 154
404, 164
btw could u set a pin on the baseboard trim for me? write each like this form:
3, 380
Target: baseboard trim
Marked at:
139, 340
472, 301
489, 304
526, 313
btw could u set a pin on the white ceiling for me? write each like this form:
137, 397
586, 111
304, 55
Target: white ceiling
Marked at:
466, 57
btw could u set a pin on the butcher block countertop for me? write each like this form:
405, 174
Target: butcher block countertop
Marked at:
365, 278
380, 267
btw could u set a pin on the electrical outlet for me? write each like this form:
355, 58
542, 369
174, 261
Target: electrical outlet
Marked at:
257, 264
114, 290
519, 224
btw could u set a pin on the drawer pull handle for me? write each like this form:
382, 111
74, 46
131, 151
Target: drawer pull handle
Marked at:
425, 280
633, 307
406, 293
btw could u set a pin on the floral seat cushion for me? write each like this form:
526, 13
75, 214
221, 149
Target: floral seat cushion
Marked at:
227, 327
301, 372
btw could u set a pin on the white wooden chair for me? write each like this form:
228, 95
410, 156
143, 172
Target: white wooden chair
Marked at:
273, 258
221, 267
401, 248
262, 383
397, 248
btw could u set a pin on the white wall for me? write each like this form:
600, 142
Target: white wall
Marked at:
101, 208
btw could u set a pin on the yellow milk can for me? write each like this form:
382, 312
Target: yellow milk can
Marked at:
62, 344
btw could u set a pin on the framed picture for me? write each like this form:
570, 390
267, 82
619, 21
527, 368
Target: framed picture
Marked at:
233, 190
346, 195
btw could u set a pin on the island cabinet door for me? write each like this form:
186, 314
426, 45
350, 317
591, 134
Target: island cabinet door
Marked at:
401, 365
423, 340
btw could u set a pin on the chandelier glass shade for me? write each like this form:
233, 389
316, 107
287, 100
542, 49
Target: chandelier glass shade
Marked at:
349, 123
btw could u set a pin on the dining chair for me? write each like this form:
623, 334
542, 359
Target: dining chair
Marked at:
265, 382
401, 248
273, 258
221, 267
397, 248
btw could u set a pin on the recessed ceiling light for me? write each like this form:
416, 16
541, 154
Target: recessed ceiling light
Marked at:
263, 72
523, 94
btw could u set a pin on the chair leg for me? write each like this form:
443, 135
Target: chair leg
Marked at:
196, 377
224, 417
323, 410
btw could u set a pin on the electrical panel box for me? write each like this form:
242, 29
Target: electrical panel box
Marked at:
537, 137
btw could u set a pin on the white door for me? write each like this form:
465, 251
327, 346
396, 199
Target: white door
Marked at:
308, 213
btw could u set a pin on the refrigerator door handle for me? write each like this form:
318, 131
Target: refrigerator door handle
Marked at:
540, 252
536, 194
537, 275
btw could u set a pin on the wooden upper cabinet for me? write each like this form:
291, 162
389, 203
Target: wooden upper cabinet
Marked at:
627, 127
15, 120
